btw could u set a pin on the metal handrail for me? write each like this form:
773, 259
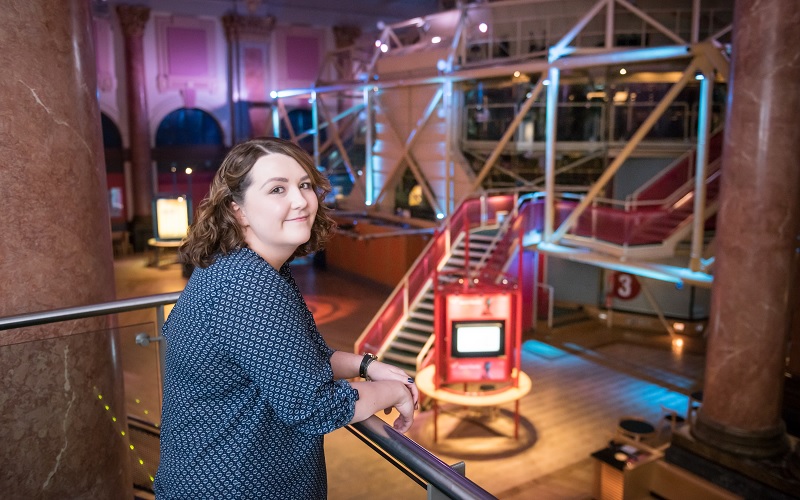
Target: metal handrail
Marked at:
419, 460
398, 449
90, 311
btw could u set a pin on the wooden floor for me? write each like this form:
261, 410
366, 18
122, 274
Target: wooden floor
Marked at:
584, 379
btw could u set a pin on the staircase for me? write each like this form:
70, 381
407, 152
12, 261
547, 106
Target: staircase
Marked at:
415, 334
660, 229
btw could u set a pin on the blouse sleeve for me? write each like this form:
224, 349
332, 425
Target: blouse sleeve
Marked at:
264, 330
320, 341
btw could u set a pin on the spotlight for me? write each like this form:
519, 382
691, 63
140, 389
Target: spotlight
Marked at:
378, 43
623, 71
436, 39
483, 27
273, 94
384, 48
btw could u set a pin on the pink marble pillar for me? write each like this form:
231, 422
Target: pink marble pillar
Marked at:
133, 19
57, 439
757, 231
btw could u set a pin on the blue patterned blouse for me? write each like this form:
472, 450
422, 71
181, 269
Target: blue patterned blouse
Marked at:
248, 389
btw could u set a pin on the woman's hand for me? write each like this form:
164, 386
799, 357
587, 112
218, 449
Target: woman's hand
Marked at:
405, 408
378, 372
385, 395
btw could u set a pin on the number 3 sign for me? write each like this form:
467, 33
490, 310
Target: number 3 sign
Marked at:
625, 286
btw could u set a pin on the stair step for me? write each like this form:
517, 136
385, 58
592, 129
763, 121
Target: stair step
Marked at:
473, 246
414, 337
425, 305
422, 316
411, 369
402, 358
426, 328
412, 348
484, 235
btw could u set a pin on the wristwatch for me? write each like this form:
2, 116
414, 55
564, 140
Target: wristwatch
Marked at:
365, 361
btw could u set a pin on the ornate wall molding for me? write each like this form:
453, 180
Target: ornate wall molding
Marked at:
238, 27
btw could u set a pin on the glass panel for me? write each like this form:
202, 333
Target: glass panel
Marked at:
140, 365
359, 457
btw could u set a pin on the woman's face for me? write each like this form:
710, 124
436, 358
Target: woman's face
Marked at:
278, 208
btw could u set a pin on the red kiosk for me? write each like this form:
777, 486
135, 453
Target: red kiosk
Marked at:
477, 348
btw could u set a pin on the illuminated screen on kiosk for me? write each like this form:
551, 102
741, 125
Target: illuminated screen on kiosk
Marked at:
478, 339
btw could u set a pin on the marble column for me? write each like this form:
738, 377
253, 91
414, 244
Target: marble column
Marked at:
57, 439
757, 230
133, 19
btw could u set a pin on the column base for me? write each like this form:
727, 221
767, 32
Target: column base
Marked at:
746, 477
747, 444
793, 463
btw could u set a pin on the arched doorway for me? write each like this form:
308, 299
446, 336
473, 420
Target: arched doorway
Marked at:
188, 151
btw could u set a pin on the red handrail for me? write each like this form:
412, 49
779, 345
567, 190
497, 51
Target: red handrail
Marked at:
470, 213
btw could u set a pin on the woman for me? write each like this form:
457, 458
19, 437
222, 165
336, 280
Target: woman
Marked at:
250, 386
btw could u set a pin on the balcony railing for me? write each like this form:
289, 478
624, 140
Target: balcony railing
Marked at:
141, 378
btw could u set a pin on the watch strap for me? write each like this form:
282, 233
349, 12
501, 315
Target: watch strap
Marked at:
365, 362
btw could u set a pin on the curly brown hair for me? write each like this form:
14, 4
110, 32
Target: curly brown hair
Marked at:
216, 229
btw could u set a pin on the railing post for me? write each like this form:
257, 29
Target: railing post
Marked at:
701, 166
435, 493
162, 349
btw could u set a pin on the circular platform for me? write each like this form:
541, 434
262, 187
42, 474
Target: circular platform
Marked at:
425, 383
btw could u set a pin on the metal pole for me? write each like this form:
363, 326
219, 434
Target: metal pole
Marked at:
369, 195
551, 119
695, 35
315, 124
276, 121
448, 159
701, 165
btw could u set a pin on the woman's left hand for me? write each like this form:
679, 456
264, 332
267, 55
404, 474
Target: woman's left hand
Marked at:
379, 371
